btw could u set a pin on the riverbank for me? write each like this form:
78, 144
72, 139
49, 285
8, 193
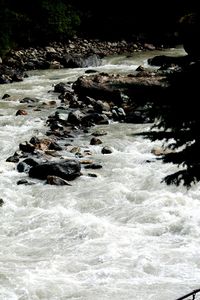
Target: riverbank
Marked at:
75, 53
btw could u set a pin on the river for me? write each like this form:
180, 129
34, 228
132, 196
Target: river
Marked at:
122, 235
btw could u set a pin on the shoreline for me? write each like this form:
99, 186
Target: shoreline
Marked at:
77, 52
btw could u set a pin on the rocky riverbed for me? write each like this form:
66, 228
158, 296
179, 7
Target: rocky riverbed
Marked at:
75, 53
93, 99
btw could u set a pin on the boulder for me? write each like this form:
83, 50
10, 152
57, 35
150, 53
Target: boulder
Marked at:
112, 87
80, 61
65, 169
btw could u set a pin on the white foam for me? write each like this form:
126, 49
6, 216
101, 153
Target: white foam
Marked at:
122, 235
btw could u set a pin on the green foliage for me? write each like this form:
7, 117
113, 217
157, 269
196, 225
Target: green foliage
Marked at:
36, 22
33, 22
58, 21
5, 30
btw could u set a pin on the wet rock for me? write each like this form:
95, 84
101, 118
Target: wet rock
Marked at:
66, 169
158, 151
93, 166
95, 141
21, 112
112, 87
74, 149
24, 182
167, 61
29, 100
149, 46
101, 106
99, 132
90, 71
9, 74
62, 88
5, 96
81, 61
118, 113
94, 118
55, 146
45, 144
26, 164
26, 147
1, 202
75, 117
92, 175
86, 161
13, 159
106, 150
140, 69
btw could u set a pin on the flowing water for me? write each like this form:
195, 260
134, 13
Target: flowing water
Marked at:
123, 235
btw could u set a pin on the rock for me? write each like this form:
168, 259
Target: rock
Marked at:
99, 132
8, 74
55, 146
86, 162
118, 113
167, 60
111, 87
94, 118
93, 166
149, 46
1, 202
81, 61
95, 141
13, 159
5, 96
62, 88
75, 117
158, 151
65, 169
74, 149
92, 175
29, 100
106, 150
25, 182
26, 164
21, 112
101, 106
90, 71
26, 147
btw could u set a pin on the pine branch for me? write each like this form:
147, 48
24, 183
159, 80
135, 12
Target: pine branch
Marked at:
187, 177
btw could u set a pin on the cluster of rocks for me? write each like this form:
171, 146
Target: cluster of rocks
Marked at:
94, 99
54, 158
75, 53
9, 74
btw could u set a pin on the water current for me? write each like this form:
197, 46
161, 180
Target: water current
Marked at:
122, 235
